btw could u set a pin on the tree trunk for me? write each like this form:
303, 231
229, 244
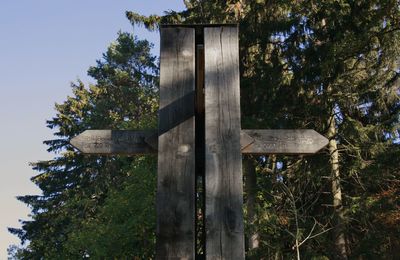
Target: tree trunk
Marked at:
339, 234
251, 191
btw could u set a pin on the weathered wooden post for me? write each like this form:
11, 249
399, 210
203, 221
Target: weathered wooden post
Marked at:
176, 145
199, 133
223, 177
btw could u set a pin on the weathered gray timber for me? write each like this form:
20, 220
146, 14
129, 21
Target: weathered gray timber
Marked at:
223, 177
176, 150
109, 142
199, 133
252, 141
282, 141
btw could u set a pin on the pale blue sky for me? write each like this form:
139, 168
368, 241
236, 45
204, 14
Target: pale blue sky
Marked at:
44, 45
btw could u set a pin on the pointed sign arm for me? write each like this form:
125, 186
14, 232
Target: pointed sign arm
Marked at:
111, 142
281, 141
129, 142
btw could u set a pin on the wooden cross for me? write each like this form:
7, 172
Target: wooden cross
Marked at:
199, 133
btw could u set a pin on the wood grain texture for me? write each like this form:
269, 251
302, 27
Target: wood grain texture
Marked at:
281, 141
252, 141
224, 187
112, 142
176, 146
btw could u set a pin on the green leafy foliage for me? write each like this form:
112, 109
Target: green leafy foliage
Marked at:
124, 227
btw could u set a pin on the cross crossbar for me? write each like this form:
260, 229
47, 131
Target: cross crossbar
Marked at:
252, 141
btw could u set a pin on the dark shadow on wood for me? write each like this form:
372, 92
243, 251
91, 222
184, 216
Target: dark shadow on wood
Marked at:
176, 113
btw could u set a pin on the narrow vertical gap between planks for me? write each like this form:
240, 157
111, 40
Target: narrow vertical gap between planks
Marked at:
200, 145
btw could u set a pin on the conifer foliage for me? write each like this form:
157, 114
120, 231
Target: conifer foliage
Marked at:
87, 200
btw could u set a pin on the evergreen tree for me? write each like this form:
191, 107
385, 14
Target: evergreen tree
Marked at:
79, 192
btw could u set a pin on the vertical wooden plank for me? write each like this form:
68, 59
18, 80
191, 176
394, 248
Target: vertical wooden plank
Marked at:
224, 187
176, 146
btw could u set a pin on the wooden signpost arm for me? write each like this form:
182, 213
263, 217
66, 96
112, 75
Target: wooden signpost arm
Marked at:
112, 142
252, 141
281, 141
